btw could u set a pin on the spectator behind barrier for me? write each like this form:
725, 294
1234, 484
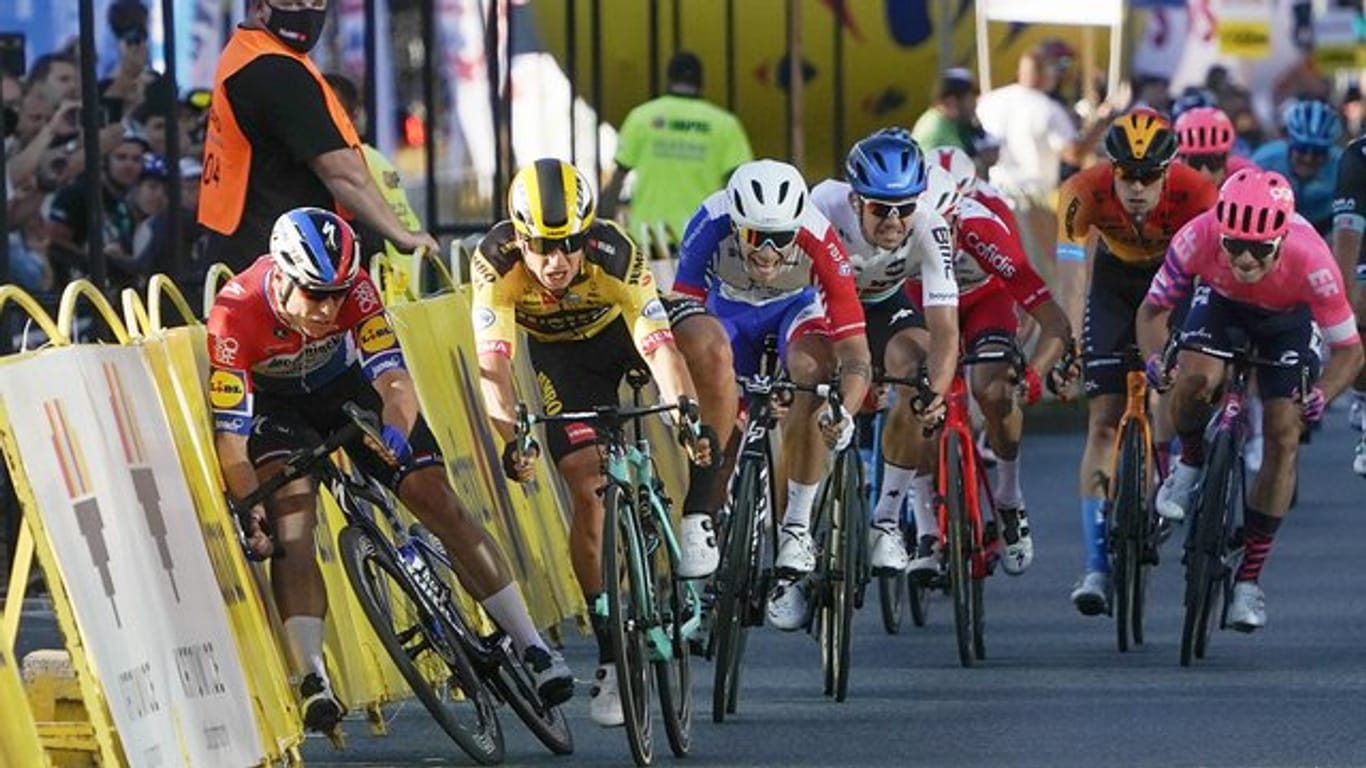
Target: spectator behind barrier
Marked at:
949, 122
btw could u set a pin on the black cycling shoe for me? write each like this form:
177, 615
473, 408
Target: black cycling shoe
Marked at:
322, 712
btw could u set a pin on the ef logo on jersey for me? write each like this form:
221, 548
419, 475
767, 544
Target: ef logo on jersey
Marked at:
376, 336
228, 392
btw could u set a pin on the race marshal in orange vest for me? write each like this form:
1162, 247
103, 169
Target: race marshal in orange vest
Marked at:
278, 139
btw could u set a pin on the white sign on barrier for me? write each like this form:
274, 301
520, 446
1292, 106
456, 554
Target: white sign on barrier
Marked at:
1102, 13
99, 454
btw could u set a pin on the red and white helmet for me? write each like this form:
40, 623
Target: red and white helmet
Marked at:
960, 167
941, 192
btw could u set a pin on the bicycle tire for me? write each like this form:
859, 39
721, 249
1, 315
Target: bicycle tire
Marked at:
734, 583
623, 569
918, 595
673, 675
482, 739
510, 678
821, 598
960, 550
892, 597
853, 568
1201, 559
1127, 536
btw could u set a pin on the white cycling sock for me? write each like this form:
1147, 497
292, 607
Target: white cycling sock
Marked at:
305, 635
926, 516
895, 481
800, 498
508, 610
1254, 416
1005, 486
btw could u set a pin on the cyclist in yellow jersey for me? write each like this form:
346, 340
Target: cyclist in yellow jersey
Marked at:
584, 294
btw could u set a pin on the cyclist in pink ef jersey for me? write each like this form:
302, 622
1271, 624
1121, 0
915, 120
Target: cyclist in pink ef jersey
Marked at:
1204, 137
1264, 271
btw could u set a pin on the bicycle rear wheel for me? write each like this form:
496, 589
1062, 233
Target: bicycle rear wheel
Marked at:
627, 588
673, 675
424, 644
734, 582
960, 552
1128, 525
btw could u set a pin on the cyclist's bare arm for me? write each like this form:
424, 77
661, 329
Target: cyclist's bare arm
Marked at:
670, 371
1055, 337
1341, 369
238, 473
500, 398
1151, 325
942, 324
856, 370
395, 388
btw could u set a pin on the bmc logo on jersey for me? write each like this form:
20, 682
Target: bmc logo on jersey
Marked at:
989, 253
376, 336
228, 392
1323, 282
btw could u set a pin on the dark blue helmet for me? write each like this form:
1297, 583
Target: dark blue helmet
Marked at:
1191, 98
1312, 123
888, 165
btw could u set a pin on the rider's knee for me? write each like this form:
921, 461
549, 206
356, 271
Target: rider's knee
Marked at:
995, 397
901, 357
1281, 436
811, 362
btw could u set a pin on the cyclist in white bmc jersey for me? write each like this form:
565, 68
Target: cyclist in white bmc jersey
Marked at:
890, 238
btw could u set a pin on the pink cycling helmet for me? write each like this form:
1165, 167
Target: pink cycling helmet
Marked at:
1204, 131
1255, 205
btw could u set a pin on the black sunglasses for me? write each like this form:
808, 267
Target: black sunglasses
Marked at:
1144, 176
1206, 162
544, 246
1310, 152
1261, 250
326, 294
886, 208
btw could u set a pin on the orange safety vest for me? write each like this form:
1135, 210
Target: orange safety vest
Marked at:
227, 151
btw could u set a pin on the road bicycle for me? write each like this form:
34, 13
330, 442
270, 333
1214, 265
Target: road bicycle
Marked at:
899, 591
404, 581
1132, 522
1213, 549
652, 614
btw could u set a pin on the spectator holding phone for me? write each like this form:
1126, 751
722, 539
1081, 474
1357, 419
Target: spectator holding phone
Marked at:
118, 173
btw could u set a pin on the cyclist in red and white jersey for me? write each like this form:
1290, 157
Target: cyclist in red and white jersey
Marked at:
291, 339
1265, 274
993, 276
970, 185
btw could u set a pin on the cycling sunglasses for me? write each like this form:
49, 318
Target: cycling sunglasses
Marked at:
326, 294
544, 246
883, 209
1144, 176
1207, 162
759, 238
1261, 250
1310, 152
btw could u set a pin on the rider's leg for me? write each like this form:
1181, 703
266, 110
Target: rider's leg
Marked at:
295, 579
810, 360
1275, 483
1097, 461
582, 473
706, 348
903, 441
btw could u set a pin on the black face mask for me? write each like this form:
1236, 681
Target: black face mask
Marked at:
299, 29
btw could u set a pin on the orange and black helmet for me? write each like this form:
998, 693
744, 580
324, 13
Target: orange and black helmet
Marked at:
1141, 139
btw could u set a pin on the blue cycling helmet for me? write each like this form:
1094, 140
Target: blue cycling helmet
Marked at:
1191, 98
316, 249
1311, 123
888, 165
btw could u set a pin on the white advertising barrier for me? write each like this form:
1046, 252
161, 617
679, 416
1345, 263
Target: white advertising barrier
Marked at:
96, 447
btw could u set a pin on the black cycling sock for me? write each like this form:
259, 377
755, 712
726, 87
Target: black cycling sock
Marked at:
601, 632
1193, 448
702, 487
1259, 531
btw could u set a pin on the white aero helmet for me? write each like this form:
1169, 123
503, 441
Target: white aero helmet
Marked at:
942, 193
960, 167
766, 195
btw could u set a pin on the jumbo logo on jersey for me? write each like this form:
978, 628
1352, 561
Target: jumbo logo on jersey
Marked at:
376, 336
227, 390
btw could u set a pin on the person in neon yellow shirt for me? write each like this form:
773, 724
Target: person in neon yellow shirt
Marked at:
681, 147
386, 178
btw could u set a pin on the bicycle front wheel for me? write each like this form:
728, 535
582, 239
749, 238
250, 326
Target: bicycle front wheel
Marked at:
424, 644
960, 551
1204, 565
627, 588
735, 581
1128, 525
672, 674
891, 592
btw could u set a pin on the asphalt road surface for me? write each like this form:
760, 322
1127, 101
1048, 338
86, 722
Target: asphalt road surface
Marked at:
1054, 691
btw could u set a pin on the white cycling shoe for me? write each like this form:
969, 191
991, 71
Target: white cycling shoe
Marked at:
700, 555
796, 550
787, 605
888, 551
1247, 610
1359, 460
604, 705
1175, 494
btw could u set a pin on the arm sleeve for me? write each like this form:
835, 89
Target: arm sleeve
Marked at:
1172, 283
493, 313
701, 238
938, 281
835, 280
1001, 254
376, 344
278, 97
1072, 223
230, 384
1326, 294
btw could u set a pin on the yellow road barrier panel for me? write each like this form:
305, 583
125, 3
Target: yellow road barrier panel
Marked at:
162, 287
20, 744
213, 280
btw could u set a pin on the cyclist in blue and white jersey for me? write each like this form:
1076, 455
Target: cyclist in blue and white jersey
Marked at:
1308, 157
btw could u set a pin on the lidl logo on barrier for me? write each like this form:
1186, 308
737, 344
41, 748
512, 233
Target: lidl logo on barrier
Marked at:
376, 335
228, 390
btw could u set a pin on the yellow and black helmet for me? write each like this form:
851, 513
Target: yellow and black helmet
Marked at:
1140, 139
550, 199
